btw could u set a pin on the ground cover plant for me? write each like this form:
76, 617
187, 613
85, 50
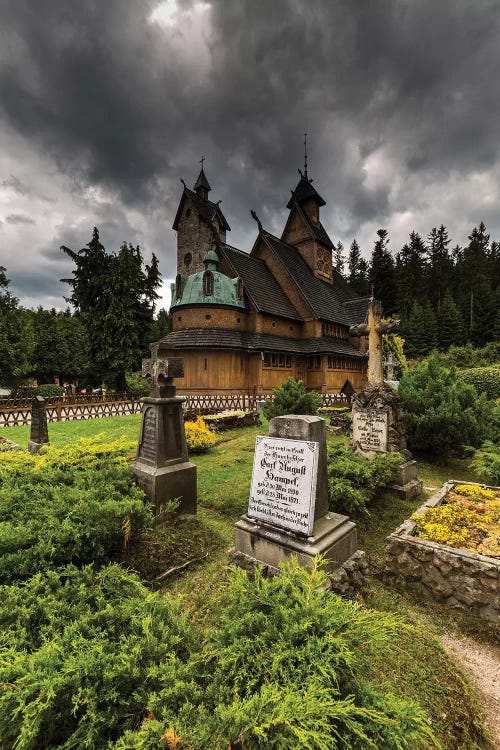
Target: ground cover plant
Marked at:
413, 668
76, 504
198, 437
469, 519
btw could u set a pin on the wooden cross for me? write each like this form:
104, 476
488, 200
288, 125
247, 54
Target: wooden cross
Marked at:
374, 328
201, 161
162, 372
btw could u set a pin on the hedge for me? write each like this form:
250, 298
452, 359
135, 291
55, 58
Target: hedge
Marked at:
484, 379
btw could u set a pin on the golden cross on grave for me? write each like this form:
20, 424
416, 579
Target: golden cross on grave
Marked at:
162, 372
375, 327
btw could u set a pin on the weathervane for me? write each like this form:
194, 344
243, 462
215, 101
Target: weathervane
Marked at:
305, 156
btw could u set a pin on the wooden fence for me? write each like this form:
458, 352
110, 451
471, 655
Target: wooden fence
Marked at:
62, 411
15, 412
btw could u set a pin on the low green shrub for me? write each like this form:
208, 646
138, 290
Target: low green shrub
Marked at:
82, 654
469, 356
78, 504
354, 481
443, 414
292, 398
484, 379
289, 667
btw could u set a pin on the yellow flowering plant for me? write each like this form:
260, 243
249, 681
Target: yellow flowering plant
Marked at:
469, 519
199, 438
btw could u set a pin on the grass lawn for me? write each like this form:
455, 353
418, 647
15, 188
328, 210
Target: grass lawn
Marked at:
417, 667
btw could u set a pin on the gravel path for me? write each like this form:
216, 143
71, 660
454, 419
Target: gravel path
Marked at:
482, 662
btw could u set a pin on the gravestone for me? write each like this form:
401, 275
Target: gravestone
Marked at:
377, 416
39, 434
162, 466
288, 507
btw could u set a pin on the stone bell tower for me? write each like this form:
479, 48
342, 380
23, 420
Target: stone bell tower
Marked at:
199, 223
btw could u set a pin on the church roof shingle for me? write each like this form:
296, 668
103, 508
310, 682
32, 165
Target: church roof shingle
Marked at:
326, 300
304, 191
260, 284
225, 338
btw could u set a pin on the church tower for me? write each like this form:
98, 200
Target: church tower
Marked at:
304, 230
199, 224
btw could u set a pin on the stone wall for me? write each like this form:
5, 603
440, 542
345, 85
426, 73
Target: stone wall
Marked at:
463, 580
347, 580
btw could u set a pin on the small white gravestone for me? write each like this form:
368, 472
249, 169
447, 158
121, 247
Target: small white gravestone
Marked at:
369, 429
284, 481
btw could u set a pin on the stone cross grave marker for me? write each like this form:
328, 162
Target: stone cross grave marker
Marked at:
390, 364
39, 434
374, 327
162, 466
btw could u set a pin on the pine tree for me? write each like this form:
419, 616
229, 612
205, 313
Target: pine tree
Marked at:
451, 328
353, 264
472, 281
382, 274
115, 296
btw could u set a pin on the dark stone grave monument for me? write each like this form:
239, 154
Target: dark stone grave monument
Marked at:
39, 434
377, 416
162, 466
288, 508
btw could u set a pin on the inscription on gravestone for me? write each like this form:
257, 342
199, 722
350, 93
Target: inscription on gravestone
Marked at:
283, 486
369, 429
147, 447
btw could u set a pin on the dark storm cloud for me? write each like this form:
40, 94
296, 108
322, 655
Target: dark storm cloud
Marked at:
19, 219
391, 92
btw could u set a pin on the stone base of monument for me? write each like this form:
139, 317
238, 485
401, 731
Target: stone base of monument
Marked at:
333, 536
406, 482
168, 483
34, 447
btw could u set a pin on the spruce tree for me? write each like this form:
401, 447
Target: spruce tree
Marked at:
115, 295
451, 329
353, 264
382, 275
420, 330
410, 273
439, 266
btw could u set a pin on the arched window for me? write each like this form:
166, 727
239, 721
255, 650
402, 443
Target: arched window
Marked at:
208, 283
178, 286
239, 289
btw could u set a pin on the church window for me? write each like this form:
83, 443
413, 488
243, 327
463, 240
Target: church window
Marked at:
179, 318
237, 320
239, 289
274, 324
206, 363
208, 283
275, 359
207, 317
178, 286
188, 213
314, 362
188, 259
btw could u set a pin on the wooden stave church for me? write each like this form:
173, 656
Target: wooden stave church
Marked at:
246, 322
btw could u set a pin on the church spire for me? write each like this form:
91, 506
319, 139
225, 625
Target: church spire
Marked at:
202, 186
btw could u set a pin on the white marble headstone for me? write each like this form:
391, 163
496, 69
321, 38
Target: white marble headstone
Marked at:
284, 480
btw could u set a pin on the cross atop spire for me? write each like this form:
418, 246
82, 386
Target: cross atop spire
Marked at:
202, 186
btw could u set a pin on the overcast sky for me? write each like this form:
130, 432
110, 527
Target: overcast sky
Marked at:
105, 105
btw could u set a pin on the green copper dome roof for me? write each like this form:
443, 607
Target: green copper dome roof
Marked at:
192, 292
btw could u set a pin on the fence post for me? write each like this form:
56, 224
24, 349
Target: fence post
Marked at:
59, 410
